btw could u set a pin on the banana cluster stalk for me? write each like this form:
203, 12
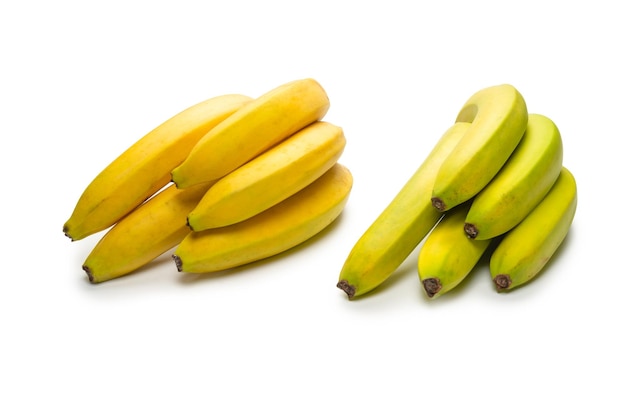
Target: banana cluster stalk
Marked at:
253, 176
499, 184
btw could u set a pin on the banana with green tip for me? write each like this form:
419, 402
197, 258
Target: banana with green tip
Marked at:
144, 168
155, 227
275, 230
402, 225
519, 186
270, 178
253, 129
526, 249
499, 116
447, 256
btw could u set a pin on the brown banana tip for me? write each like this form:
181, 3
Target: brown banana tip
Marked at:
438, 204
178, 262
347, 287
432, 286
502, 281
471, 231
89, 274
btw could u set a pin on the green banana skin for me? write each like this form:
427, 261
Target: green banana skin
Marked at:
447, 256
499, 116
519, 186
527, 248
401, 226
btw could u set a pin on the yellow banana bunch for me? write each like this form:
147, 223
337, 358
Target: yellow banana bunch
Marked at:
254, 128
277, 229
519, 186
155, 227
447, 256
498, 118
270, 178
526, 249
400, 227
144, 168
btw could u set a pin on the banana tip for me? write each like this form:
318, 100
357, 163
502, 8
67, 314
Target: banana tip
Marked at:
178, 262
438, 204
347, 287
90, 275
502, 281
432, 286
471, 231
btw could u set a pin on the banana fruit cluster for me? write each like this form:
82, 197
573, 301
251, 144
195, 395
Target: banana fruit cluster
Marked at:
225, 182
493, 186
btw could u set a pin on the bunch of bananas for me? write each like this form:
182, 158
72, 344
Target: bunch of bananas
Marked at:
228, 181
495, 182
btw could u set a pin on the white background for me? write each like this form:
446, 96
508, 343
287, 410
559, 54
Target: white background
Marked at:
81, 81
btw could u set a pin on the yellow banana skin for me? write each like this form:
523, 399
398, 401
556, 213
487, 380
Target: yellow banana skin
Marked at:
254, 128
447, 256
520, 185
397, 231
270, 178
499, 116
279, 228
155, 227
144, 168
527, 248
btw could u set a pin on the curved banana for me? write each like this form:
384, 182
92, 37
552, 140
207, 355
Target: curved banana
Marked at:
527, 248
254, 128
277, 229
498, 116
270, 178
447, 256
400, 227
155, 227
144, 168
519, 186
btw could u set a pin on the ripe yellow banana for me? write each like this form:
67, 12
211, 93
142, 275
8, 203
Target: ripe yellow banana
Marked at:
519, 186
144, 168
279, 228
155, 227
499, 117
447, 256
400, 227
527, 248
270, 178
254, 128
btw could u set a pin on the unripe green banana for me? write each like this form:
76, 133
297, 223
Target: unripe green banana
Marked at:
527, 248
499, 117
519, 186
400, 227
447, 256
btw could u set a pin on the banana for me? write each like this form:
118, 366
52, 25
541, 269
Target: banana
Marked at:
527, 248
499, 117
254, 128
523, 181
144, 168
397, 231
447, 257
155, 227
270, 178
277, 229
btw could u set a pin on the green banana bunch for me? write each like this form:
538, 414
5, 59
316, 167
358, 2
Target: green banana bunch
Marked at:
498, 118
447, 256
520, 185
400, 227
527, 248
